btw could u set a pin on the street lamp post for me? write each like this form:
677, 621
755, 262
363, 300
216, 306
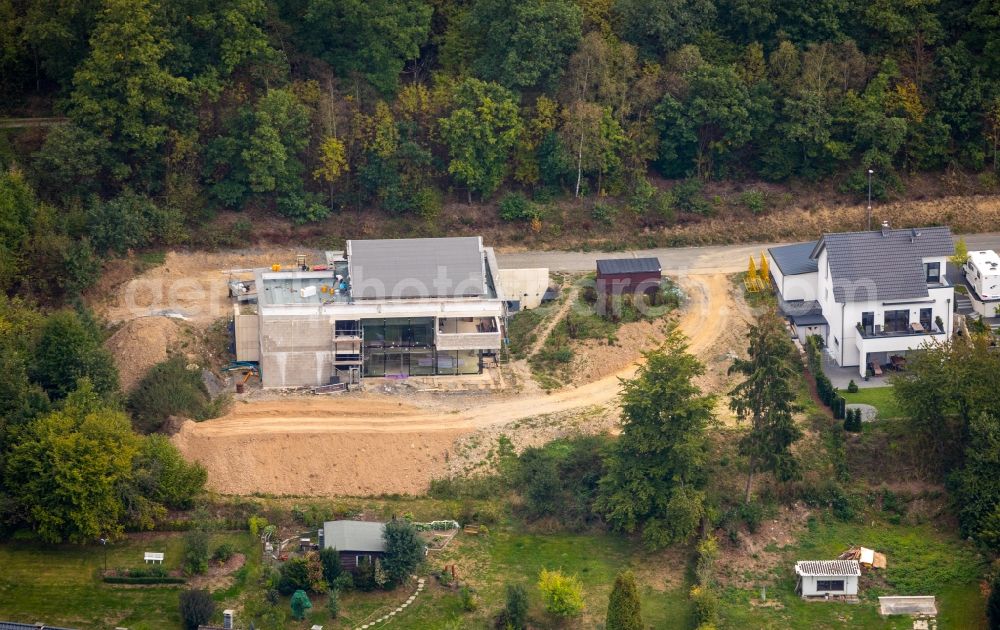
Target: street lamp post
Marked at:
104, 543
870, 173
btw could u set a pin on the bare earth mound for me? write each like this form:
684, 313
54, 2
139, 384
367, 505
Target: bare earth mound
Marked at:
367, 444
139, 345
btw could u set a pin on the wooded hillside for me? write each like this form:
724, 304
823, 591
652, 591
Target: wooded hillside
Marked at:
177, 109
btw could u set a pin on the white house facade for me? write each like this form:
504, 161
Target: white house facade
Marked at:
880, 293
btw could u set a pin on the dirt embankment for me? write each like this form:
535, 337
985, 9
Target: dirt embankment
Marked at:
367, 444
139, 345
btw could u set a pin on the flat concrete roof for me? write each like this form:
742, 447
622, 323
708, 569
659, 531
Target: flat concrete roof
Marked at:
417, 267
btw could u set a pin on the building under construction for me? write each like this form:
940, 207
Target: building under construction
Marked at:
381, 308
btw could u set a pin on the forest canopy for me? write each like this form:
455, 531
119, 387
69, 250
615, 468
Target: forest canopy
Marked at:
303, 107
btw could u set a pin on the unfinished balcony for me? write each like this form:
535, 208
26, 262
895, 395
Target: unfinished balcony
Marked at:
468, 333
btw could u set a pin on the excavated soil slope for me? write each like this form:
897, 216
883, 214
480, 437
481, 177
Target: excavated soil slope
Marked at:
369, 445
139, 345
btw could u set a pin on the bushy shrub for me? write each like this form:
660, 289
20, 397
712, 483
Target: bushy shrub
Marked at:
469, 600
603, 213
168, 389
223, 552
195, 552
852, 387
516, 207
364, 576
706, 605
754, 200
562, 594
687, 197
515, 612
197, 607
852, 420
294, 576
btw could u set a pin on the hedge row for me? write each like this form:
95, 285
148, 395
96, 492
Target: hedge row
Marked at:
149, 579
824, 388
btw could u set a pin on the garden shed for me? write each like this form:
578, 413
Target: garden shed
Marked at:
618, 276
354, 540
827, 578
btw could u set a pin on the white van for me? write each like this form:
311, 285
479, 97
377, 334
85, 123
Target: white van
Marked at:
982, 270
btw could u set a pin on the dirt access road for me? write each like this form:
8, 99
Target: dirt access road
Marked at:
375, 444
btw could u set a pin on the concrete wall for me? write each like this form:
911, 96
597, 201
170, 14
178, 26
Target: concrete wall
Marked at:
247, 337
526, 285
296, 351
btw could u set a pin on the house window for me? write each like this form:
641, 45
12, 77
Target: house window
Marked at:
925, 318
868, 322
367, 558
829, 585
897, 321
933, 272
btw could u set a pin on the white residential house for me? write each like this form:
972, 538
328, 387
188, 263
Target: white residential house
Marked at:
877, 294
827, 578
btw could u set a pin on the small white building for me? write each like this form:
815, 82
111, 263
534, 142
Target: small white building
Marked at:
827, 578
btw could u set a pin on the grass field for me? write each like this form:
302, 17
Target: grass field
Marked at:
60, 584
508, 555
921, 561
881, 398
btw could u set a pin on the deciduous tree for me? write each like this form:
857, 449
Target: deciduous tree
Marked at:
65, 470
480, 134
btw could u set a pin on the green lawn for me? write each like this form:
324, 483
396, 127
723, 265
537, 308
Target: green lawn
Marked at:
921, 561
508, 555
60, 584
882, 398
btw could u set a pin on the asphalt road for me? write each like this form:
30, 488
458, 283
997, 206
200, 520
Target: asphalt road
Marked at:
678, 260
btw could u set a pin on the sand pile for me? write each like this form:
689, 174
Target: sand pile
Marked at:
139, 345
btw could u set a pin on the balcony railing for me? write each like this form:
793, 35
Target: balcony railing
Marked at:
870, 332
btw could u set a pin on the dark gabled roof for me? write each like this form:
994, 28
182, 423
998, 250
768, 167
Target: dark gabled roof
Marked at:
881, 265
793, 260
13, 625
614, 266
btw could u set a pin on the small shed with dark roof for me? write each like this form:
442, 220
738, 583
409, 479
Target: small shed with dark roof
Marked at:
618, 276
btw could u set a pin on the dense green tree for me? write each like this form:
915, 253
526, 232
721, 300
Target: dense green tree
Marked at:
719, 116
370, 38
480, 134
404, 550
71, 162
655, 472
65, 470
69, 348
624, 607
944, 388
766, 398
162, 475
523, 44
977, 484
330, 560
123, 90
131, 221
58, 36
561, 479
662, 26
